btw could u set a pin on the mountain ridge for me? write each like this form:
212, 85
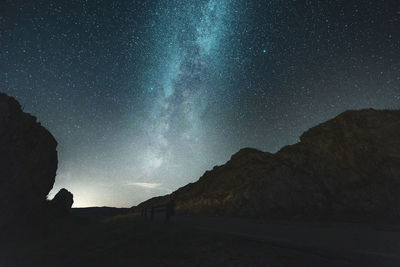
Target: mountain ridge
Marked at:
347, 166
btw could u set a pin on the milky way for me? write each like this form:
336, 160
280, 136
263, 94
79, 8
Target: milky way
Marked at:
144, 96
181, 81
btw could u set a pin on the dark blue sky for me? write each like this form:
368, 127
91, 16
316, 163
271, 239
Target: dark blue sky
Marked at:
144, 96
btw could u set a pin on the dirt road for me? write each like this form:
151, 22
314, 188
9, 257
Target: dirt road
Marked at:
348, 244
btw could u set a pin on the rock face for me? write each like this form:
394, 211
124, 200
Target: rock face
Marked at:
346, 167
28, 161
62, 202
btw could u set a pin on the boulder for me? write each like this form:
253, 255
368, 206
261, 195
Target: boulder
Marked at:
28, 162
62, 202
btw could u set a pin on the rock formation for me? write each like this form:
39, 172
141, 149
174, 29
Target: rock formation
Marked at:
62, 202
28, 161
347, 167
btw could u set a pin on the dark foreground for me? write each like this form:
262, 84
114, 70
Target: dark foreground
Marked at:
129, 240
340, 243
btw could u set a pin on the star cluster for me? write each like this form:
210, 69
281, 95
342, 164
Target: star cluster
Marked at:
144, 96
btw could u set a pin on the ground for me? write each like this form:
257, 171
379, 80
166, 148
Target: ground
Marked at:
131, 240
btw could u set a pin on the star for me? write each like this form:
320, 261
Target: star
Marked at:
141, 93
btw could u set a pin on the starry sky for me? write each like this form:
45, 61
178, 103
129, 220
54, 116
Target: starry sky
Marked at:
144, 96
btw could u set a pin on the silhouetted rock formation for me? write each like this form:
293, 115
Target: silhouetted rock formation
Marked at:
346, 167
28, 162
62, 202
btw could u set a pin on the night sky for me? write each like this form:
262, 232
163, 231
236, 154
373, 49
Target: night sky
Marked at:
144, 96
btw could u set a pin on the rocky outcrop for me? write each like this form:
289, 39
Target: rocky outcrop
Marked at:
28, 161
62, 202
346, 167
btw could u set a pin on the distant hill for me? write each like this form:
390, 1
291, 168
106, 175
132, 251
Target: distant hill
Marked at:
346, 167
99, 213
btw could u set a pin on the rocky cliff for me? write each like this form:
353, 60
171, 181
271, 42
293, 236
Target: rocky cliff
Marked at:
28, 162
346, 167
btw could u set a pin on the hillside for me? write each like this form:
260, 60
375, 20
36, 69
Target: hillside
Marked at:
347, 167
